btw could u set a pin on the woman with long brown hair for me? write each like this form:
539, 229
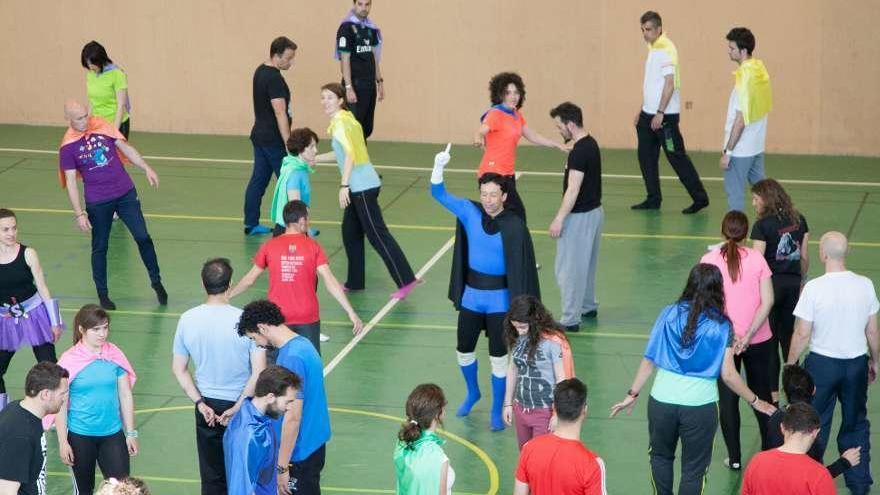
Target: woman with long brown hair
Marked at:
781, 234
422, 466
691, 348
540, 358
748, 296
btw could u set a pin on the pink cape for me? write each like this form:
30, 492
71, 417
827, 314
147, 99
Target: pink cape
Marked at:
79, 356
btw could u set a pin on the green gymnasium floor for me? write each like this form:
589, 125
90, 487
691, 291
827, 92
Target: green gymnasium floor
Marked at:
195, 215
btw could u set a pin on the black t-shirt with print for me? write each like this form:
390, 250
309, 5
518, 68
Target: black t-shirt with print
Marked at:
585, 157
784, 243
268, 85
359, 41
21, 451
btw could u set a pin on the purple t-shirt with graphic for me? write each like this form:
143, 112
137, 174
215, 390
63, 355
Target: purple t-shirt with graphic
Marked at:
95, 157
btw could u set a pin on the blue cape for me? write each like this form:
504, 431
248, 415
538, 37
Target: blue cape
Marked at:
250, 451
702, 357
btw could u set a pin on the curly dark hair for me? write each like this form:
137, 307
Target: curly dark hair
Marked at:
498, 86
261, 311
776, 201
300, 139
704, 293
529, 309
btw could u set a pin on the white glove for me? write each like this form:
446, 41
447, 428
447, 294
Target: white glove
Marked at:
440, 160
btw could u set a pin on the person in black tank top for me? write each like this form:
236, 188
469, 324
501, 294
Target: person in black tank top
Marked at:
28, 314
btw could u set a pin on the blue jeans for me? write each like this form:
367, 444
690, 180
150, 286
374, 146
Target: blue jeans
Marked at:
741, 168
267, 160
128, 207
845, 380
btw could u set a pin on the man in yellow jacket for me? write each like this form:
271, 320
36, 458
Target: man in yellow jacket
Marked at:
745, 131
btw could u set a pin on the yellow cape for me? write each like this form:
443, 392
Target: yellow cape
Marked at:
753, 90
665, 44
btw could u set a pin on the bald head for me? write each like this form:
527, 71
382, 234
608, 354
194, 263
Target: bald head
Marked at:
834, 245
77, 114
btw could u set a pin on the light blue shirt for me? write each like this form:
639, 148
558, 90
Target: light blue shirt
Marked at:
94, 400
207, 334
363, 175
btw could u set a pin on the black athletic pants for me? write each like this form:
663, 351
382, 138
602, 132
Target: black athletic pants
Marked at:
110, 452
695, 426
363, 217
43, 352
670, 139
758, 360
365, 108
209, 443
786, 291
305, 475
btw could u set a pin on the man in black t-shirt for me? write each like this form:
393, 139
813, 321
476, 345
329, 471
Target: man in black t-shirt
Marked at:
578, 222
22, 455
272, 118
359, 48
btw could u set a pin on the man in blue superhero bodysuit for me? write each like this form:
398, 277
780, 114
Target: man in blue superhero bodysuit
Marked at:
250, 444
493, 262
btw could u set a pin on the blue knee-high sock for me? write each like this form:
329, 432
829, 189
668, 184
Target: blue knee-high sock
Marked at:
498, 387
469, 373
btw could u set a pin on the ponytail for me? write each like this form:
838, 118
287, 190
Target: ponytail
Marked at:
410, 431
730, 253
423, 406
734, 228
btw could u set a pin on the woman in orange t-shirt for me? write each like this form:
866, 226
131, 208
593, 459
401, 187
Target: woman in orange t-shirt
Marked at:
500, 130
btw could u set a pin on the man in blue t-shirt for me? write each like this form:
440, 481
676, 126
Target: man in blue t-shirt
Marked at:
305, 428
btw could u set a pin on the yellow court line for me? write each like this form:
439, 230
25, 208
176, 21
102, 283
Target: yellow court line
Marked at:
480, 453
435, 228
808, 182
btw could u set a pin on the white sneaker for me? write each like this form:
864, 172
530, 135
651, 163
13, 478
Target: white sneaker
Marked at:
324, 338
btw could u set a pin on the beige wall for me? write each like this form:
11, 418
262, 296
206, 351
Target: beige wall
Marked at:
190, 63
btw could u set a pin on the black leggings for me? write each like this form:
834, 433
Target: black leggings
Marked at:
786, 290
758, 359
110, 452
471, 324
43, 352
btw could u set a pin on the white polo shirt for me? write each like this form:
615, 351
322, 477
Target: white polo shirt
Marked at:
657, 67
751, 142
839, 305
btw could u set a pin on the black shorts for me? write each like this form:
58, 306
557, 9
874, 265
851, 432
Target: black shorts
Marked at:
470, 324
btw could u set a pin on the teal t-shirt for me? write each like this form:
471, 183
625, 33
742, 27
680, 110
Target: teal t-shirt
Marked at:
682, 390
94, 400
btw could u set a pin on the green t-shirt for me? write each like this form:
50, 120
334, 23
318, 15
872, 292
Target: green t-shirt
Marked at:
102, 89
672, 388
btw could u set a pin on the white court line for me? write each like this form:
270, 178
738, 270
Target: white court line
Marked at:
802, 182
389, 306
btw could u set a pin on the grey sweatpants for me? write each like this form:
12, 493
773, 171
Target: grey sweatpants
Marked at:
577, 252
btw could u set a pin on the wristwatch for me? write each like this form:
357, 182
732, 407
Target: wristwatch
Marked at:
131, 434
281, 469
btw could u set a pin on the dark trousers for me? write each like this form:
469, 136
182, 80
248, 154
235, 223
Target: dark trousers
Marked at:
695, 426
311, 331
365, 108
759, 363
844, 380
267, 161
786, 291
363, 217
110, 453
305, 475
472, 324
514, 202
209, 443
128, 208
125, 128
43, 352
670, 139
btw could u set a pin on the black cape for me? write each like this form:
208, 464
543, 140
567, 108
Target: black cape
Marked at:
519, 256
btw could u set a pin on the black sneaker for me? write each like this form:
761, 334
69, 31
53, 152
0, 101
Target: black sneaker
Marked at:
573, 328
590, 314
690, 210
161, 295
645, 205
106, 303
